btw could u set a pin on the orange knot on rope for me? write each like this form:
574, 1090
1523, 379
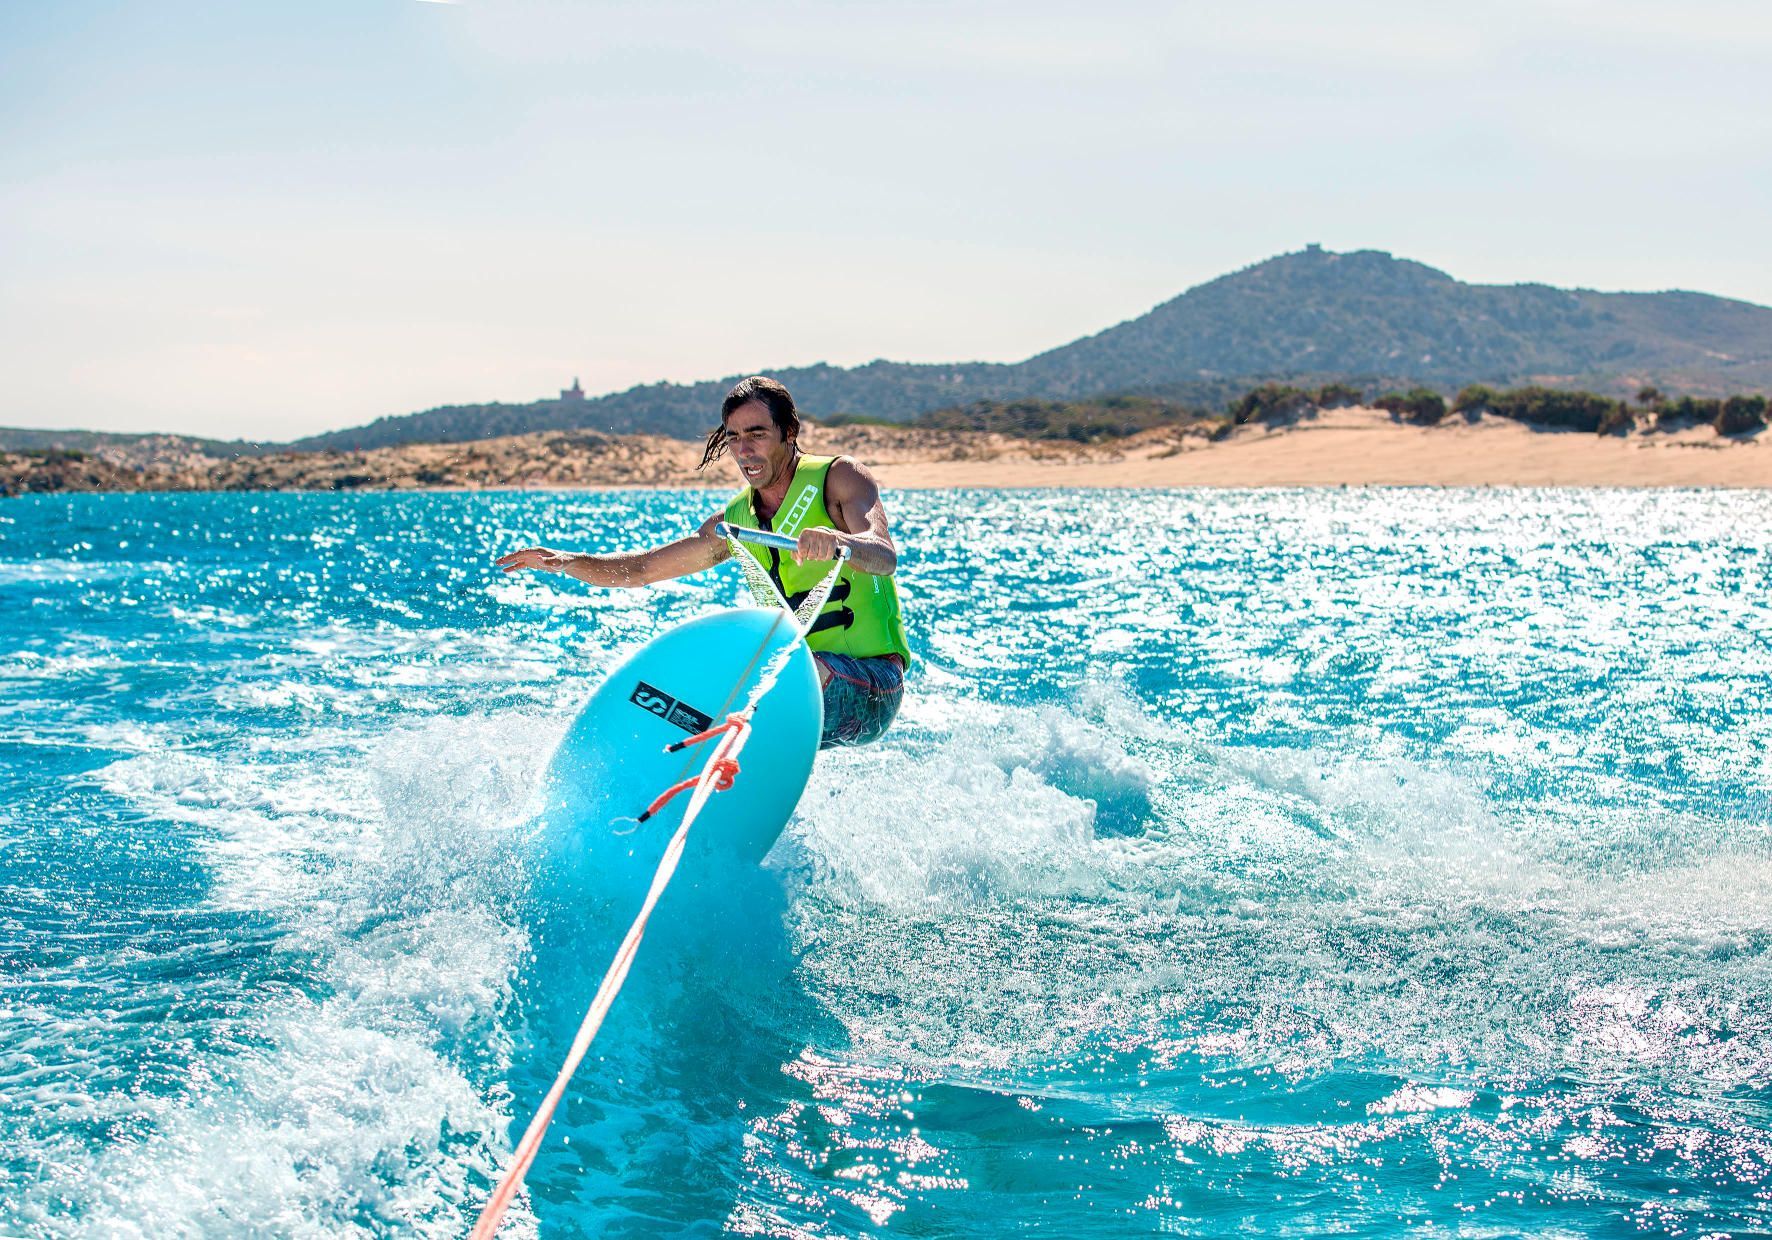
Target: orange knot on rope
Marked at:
733, 721
724, 770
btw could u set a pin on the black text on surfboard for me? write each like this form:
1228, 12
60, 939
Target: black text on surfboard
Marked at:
669, 708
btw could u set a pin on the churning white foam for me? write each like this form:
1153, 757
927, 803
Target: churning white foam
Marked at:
363, 1097
1008, 803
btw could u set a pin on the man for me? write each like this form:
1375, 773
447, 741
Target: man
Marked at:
825, 503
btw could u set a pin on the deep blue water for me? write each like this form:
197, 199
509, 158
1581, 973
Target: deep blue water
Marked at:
1287, 862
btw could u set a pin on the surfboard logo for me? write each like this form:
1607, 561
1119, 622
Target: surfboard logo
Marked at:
689, 719
668, 708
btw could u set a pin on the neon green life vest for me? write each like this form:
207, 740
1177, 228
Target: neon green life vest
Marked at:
861, 618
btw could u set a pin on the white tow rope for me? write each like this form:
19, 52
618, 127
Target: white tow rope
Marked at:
716, 773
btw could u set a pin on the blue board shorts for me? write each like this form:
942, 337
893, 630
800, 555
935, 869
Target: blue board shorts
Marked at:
861, 698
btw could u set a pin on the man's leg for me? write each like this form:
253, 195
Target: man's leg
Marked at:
861, 697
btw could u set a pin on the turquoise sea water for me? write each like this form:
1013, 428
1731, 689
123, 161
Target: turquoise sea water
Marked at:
1290, 862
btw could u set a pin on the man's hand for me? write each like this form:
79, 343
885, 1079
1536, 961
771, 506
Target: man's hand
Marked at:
541, 559
627, 569
819, 543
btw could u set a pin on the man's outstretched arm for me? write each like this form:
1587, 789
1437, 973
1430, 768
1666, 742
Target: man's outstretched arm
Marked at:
702, 549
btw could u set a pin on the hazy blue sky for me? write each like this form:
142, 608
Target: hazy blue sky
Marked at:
268, 219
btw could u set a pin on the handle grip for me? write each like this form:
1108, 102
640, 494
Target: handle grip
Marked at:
766, 538
762, 538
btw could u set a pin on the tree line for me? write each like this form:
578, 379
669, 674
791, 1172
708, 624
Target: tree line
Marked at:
1115, 417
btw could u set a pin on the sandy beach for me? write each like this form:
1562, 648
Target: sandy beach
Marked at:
1357, 447
1342, 447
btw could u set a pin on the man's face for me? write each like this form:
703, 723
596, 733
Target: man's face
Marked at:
756, 444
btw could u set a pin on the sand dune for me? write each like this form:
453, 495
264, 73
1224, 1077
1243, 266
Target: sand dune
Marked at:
1363, 447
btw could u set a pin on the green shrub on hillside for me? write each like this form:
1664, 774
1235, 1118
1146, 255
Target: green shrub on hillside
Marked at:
1338, 396
856, 419
1420, 405
1688, 411
1271, 401
1083, 421
1557, 407
1477, 398
1618, 420
1741, 415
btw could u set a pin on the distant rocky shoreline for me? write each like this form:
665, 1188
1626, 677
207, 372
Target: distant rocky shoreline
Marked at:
541, 459
1313, 447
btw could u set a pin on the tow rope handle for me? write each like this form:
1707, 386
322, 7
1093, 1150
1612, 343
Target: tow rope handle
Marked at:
767, 538
761, 538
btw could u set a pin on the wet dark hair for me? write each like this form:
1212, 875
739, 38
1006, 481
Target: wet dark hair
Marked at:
757, 387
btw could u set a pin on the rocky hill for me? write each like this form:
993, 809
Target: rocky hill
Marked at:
1367, 312
1309, 317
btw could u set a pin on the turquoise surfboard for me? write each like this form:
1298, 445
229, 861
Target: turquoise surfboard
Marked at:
612, 761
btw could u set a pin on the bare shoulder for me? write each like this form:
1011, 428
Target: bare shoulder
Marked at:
849, 479
853, 497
